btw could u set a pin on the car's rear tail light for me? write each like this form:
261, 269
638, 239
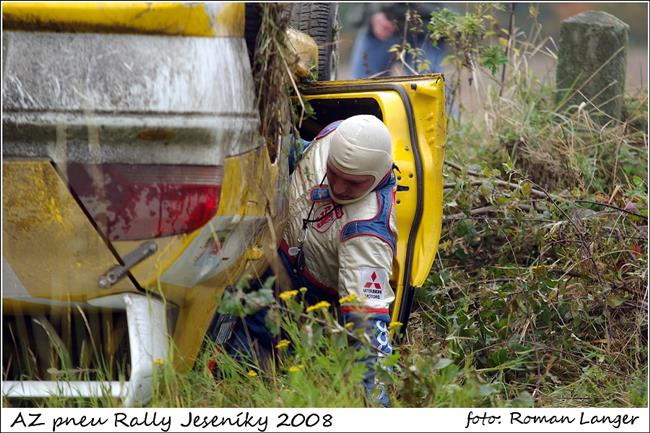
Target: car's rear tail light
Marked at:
136, 201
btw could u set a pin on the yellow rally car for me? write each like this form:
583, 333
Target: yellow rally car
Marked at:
136, 185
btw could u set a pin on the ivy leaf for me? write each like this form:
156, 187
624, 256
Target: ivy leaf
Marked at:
268, 284
391, 360
231, 304
272, 321
258, 299
486, 191
451, 203
508, 165
242, 283
444, 362
486, 390
523, 400
614, 301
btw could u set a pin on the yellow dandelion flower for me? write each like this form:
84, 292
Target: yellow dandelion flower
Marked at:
348, 299
251, 373
296, 368
158, 361
288, 294
282, 344
394, 325
320, 306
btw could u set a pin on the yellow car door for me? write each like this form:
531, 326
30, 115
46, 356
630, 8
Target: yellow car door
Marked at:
413, 109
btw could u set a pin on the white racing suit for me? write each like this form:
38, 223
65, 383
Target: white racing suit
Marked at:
348, 249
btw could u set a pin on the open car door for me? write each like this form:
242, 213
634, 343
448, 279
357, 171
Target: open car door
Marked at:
413, 109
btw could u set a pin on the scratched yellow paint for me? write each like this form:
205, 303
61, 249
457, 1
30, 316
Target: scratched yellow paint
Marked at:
147, 273
168, 18
47, 239
249, 183
248, 190
242, 195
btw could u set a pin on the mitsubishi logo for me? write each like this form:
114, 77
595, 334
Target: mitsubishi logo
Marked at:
373, 282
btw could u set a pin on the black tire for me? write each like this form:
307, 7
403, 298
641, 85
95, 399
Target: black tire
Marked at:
319, 20
253, 20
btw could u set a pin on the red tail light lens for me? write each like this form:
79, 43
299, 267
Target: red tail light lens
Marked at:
134, 201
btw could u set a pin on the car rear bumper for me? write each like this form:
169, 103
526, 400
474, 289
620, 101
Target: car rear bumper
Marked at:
148, 344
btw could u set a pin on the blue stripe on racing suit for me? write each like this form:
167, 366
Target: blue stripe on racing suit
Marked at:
379, 225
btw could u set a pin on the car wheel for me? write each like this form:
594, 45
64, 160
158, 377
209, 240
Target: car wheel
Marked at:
319, 20
253, 20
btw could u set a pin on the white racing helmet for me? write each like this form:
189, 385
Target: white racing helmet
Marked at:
361, 146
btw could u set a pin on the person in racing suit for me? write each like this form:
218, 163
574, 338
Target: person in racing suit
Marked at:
341, 235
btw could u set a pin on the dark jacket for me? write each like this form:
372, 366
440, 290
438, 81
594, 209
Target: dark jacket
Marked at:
397, 11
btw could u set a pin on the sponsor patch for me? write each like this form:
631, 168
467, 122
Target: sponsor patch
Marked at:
373, 283
319, 193
383, 339
328, 216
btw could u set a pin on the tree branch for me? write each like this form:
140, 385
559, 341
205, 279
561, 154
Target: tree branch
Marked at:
613, 207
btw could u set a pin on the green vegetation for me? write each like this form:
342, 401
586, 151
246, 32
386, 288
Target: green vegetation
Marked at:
540, 286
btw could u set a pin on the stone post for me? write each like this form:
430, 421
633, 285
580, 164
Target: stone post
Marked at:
591, 63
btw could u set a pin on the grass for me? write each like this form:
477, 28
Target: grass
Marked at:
314, 351
319, 367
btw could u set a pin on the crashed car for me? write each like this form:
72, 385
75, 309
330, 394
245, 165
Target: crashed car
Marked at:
137, 186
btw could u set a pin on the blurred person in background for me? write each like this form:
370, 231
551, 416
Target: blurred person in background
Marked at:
383, 26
